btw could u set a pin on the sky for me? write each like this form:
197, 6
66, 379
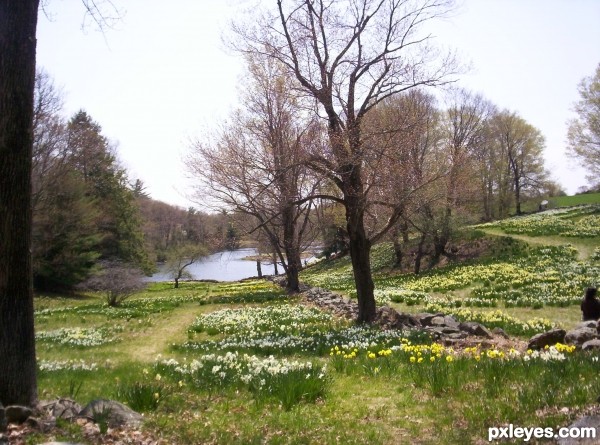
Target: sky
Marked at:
162, 76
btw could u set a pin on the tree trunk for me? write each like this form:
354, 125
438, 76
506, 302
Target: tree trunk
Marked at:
276, 271
360, 246
420, 253
18, 20
292, 252
258, 269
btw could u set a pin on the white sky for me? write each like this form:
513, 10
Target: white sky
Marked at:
163, 75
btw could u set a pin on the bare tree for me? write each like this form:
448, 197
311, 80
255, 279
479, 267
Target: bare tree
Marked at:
179, 258
116, 280
523, 147
255, 164
584, 132
349, 56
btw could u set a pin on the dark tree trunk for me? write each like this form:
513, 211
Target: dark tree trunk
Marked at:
18, 21
258, 269
276, 271
420, 253
359, 245
292, 251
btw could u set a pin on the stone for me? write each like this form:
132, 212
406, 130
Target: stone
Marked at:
500, 332
17, 413
61, 408
584, 422
549, 338
579, 336
591, 345
586, 324
425, 318
44, 426
118, 414
389, 318
476, 329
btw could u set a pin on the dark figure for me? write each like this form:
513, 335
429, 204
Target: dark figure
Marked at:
590, 306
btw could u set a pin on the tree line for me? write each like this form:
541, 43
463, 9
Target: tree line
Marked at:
88, 213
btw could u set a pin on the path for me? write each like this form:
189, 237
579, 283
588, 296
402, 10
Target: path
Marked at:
584, 250
170, 327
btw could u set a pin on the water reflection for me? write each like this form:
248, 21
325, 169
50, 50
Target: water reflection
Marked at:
223, 266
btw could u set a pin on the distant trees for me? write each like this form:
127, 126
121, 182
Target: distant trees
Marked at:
584, 132
84, 208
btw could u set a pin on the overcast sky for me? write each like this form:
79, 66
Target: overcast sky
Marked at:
163, 75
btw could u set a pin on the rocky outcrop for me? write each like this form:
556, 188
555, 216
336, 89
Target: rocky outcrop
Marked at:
61, 409
441, 327
581, 335
549, 338
117, 414
591, 345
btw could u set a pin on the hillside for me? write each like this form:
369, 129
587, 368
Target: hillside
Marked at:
239, 363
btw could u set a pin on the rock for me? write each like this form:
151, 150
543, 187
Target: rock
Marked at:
591, 345
586, 324
389, 318
476, 329
118, 415
584, 422
579, 336
61, 408
17, 413
425, 318
549, 338
3, 423
500, 332
44, 426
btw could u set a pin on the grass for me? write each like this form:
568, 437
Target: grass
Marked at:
214, 382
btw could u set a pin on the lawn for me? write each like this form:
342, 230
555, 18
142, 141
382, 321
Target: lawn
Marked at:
243, 363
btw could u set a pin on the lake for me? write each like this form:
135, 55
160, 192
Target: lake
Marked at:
223, 266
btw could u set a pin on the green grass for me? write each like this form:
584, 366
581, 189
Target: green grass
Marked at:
196, 359
567, 201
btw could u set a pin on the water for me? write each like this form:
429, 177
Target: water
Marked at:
223, 266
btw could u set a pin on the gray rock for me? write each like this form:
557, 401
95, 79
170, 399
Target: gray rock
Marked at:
476, 329
591, 345
17, 413
584, 422
118, 414
586, 324
389, 318
61, 408
425, 318
549, 338
500, 332
42, 425
578, 337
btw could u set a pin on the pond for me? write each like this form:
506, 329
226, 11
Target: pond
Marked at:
227, 265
